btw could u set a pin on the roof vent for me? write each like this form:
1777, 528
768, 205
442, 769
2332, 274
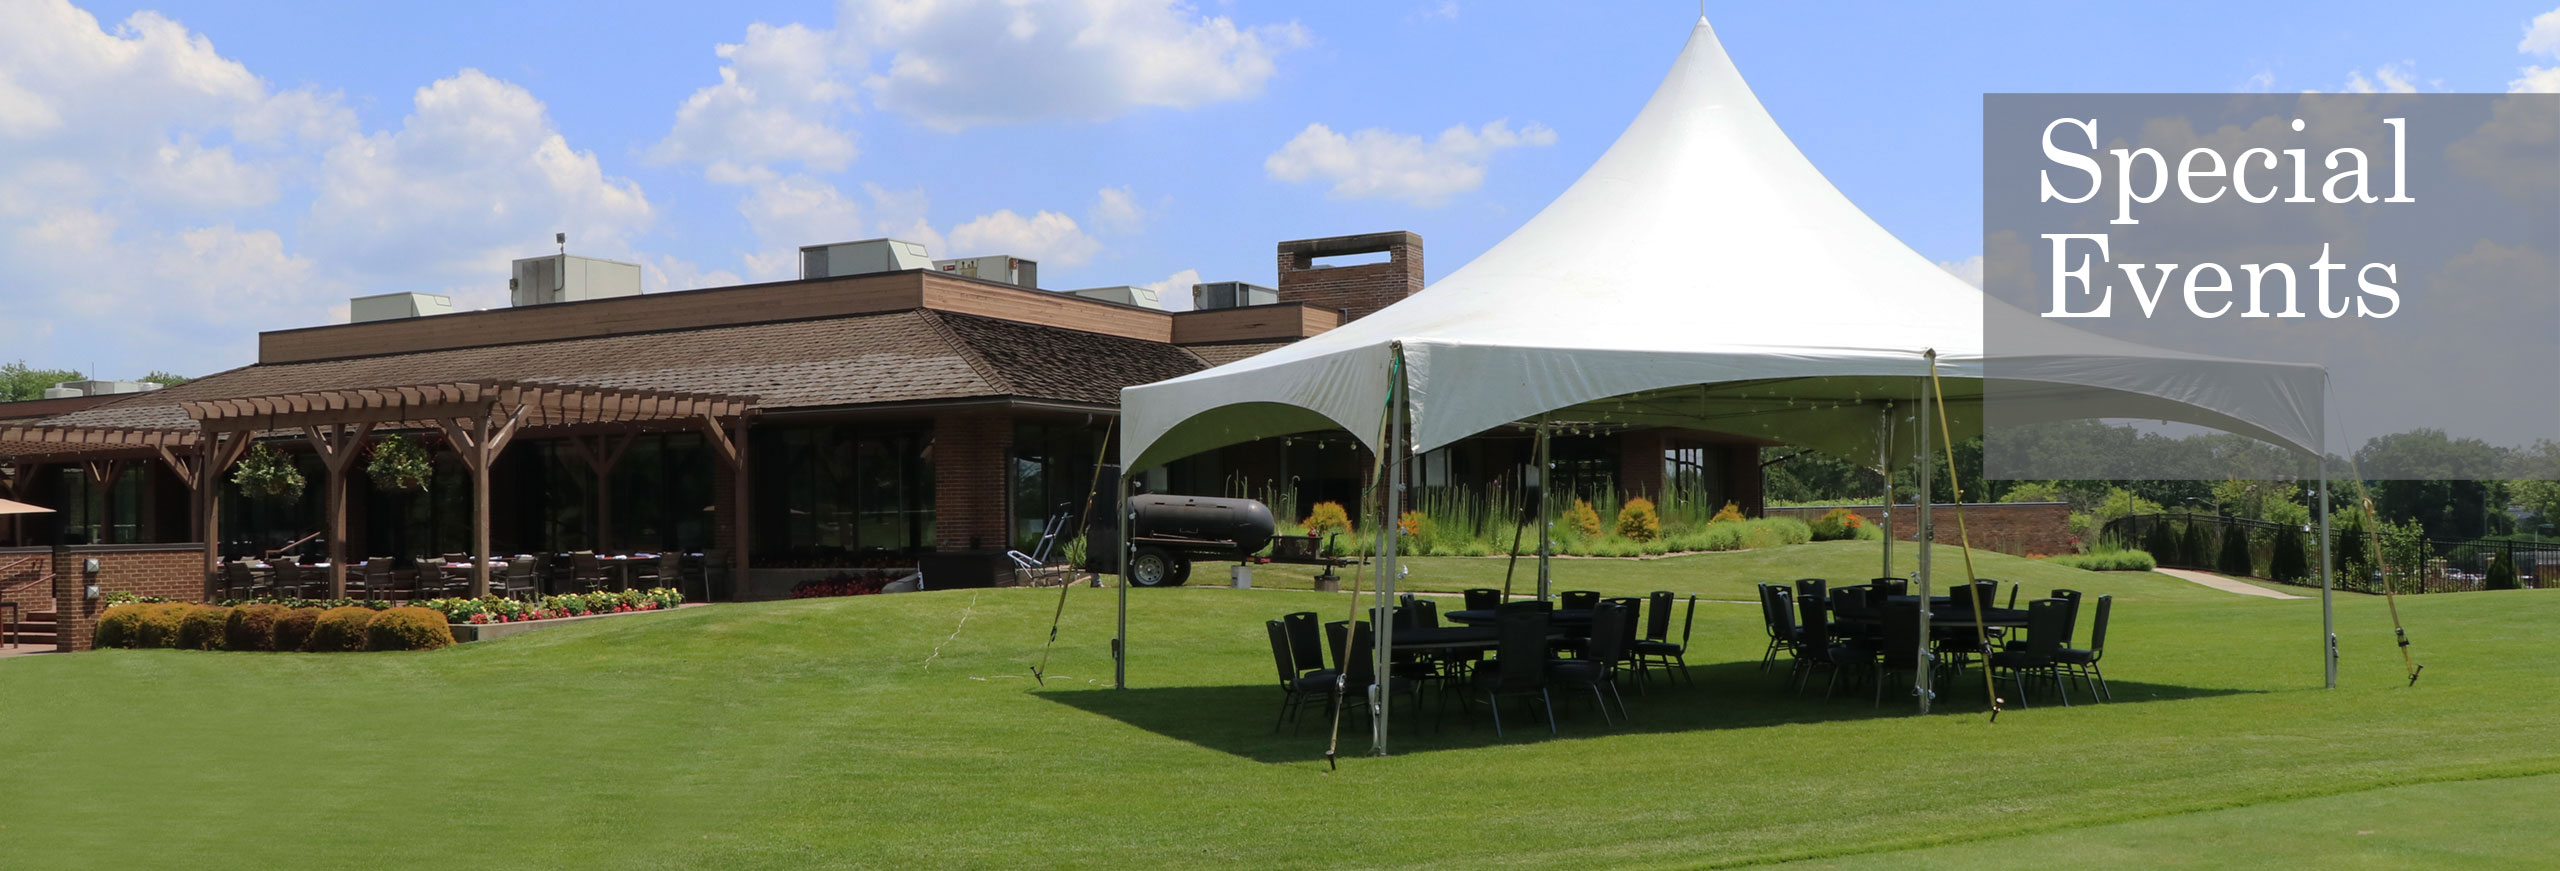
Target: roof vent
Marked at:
1231, 294
554, 278
71, 389
397, 306
865, 257
998, 268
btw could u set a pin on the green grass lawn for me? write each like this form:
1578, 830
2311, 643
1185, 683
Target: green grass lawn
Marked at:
885, 730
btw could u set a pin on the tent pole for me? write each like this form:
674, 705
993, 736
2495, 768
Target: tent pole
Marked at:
1884, 462
1545, 501
2328, 620
1383, 622
1920, 676
1120, 641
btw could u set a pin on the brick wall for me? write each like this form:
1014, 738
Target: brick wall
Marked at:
970, 453
2021, 528
1354, 290
174, 571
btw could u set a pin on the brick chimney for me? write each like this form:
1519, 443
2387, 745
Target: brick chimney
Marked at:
1355, 290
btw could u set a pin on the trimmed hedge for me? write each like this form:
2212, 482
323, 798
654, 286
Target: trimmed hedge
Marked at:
120, 626
294, 628
159, 626
407, 628
253, 627
339, 629
2107, 561
204, 627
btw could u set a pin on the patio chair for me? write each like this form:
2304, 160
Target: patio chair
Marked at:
1657, 648
586, 574
1630, 613
370, 579
519, 580
1355, 648
2040, 655
1519, 667
1306, 643
238, 582
1577, 600
1813, 636
2084, 663
2072, 627
1784, 634
1296, 690
1610, 625
1483, 599
1897, 647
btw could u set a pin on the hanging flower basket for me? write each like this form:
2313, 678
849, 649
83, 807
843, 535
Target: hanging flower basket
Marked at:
267, 474
399, 464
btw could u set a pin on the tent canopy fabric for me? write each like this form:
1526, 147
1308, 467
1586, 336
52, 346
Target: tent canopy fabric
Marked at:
8, 507
1703, 274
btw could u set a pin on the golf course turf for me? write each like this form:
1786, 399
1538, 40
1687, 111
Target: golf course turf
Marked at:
906, 730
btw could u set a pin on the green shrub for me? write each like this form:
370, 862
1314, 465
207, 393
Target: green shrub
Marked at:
2159, 540
253, 627
1617, 547
1580, 520
1729, 513
204, 627
294, 628
2235, 560
2287, 563
2502, 575
2195, 549
407, 628
1726, 535
340, 629
1838, 524
160, 624
1419, 533
2107, 561
1870, 532
1326, 519
120, 626
1638, 521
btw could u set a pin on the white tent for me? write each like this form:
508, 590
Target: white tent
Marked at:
1701, 274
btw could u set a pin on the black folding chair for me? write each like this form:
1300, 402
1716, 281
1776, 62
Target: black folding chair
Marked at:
1610, 625
1657, 648
1519, 667
2047, 621
2084, 663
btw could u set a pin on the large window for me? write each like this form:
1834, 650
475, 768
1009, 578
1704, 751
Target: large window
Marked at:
1693, 474
825, 490
1052, 469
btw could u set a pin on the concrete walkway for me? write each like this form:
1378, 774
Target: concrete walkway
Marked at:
2224, 584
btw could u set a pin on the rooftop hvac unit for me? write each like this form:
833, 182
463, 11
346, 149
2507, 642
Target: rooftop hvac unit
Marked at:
397, 306
862, 258
570, 278
1124, 295
69, 389
999, 268
1231, 294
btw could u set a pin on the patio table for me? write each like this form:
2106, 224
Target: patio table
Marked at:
1485, 617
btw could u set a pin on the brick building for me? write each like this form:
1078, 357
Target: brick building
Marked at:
896, 413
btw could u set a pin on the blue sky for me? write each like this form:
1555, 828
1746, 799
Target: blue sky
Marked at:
175, 176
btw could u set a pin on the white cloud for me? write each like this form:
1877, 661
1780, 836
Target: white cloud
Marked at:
778, 100
1175, 291
474, 177
2387, 79
666, 272
969, 63
1046, 236
2541, 37
1116, 211
1382, 163
1969, 269
791, 211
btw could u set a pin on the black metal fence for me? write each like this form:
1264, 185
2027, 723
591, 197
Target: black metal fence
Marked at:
2203, 542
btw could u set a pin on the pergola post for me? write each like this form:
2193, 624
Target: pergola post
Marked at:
600, 461
215, 452
479, 441
104, 473
729, 442
20, 481
337, 445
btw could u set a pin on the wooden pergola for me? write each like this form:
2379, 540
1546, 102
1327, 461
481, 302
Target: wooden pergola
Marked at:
478, 419
104, 452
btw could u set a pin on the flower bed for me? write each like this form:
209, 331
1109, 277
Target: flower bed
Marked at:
494, 609
844, 584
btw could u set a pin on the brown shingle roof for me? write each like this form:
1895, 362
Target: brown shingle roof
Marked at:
1220, 355
907, 356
